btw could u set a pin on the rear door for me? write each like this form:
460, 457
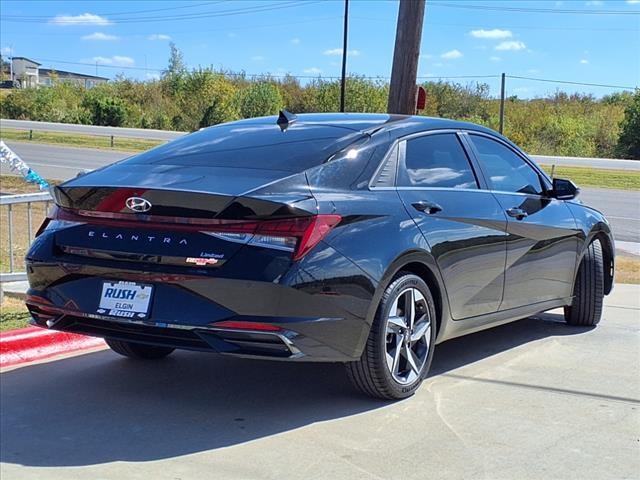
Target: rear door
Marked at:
542, 242
463, 224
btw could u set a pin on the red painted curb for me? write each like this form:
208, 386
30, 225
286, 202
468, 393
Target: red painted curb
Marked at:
34, 343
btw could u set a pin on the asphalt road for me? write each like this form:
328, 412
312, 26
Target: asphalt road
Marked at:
535, 399
622, 207
169, 135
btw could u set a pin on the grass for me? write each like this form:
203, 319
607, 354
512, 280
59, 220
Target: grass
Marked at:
79, 140
596, 177
13, 314
627, 269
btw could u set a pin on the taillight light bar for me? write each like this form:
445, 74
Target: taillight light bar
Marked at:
298, 235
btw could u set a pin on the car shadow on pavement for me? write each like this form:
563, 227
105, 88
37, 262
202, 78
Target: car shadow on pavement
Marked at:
99, 407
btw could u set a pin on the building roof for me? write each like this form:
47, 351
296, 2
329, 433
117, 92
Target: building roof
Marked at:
25, 58
64, 74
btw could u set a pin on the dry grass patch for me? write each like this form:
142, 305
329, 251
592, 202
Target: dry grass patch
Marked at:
627, 269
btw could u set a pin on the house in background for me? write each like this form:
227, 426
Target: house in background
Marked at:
27, 73
47, 76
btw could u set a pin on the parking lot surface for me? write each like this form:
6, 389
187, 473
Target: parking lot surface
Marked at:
532, 399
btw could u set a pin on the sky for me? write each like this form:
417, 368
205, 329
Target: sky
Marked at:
476, 40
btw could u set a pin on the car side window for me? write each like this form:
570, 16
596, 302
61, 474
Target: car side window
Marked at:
507, 171
436, 161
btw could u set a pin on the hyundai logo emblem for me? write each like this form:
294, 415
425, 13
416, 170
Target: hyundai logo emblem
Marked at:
137, 204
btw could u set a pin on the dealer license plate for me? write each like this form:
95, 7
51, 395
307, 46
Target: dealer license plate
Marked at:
125, 299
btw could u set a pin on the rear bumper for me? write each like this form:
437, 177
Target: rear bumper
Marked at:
318, 316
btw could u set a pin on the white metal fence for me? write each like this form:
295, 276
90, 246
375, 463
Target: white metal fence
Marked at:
19, 220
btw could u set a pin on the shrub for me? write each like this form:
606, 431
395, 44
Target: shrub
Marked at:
629, 141
259, 99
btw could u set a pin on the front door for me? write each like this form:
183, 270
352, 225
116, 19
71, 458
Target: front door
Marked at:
463, 225
542, 242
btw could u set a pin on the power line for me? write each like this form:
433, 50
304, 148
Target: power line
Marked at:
435, 3
189, 16
221, 29
514, 27
548, 80
337, 77
133, 12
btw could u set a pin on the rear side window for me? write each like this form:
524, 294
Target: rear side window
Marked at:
507, 171
436, 161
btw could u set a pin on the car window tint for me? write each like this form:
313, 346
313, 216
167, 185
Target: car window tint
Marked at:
507, 171
436, 161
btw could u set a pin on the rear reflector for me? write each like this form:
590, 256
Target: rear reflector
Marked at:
239, 325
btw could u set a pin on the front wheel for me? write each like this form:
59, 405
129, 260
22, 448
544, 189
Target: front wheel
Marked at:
138, 350
588, 291
400, 346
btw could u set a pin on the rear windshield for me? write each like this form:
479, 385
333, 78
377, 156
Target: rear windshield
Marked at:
262, 146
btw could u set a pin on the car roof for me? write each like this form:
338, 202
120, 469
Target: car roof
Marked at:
396, 125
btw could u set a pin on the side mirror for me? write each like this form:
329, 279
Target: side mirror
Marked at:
564, 189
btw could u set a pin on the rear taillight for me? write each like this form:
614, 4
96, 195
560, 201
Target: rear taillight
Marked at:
297, 235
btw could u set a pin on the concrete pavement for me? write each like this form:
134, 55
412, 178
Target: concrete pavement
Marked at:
535, 399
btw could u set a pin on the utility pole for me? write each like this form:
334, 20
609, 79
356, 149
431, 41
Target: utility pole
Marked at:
402, 91
343, 79
502, 85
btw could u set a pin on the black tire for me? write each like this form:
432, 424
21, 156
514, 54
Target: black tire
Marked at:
588, 291
370, 374
138, 350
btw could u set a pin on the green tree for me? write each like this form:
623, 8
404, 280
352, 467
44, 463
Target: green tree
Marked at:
629, 140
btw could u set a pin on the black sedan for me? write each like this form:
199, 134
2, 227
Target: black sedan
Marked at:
353, 238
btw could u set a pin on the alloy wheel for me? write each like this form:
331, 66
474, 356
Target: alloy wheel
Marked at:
408, 336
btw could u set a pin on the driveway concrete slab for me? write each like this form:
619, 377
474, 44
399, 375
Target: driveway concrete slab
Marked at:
533, 399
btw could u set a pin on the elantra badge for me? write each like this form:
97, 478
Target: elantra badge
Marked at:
138, 204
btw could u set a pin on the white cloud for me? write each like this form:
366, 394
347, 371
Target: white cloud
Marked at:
451, 54
494, 34
158, 36
258, 58
295, 41
152, 76
495, 59
511, 45
5, 51
82, 19
116, 60
584, 61
633, 2
338, 51
594, 3
313, 71
99, 36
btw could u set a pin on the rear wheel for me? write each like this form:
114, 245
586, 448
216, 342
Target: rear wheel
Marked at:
400, 346
588, 291
138, 350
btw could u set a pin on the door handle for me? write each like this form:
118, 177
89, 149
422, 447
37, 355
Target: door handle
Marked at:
427, 207
517, 213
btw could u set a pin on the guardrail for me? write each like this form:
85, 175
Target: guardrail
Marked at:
28, 207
